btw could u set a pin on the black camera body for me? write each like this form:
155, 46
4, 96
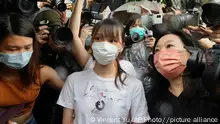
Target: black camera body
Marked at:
24, 7
210, 14
211, 57
27, 7
59, 4
206, 64
92, 13
60, 35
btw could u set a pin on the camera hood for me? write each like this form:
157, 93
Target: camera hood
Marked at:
49, 16
210, 14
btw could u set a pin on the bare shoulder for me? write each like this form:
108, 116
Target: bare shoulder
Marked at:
45, 73
46, 70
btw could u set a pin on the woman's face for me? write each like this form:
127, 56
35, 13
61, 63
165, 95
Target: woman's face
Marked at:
136, 24
172, 41
115, 40
14, 44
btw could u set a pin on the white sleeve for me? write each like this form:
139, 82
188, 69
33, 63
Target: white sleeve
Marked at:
90, 64
127, 67
66, 98
139, 110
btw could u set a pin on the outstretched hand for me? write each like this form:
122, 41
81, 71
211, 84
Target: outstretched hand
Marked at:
212, 33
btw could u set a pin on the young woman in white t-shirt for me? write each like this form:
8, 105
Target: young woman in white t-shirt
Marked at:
105, 93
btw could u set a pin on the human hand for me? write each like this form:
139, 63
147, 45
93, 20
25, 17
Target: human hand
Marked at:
212, 33
150, 41
43, 35
177, 12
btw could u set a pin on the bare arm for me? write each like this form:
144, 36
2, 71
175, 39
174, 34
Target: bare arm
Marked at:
47, 74
67, 116
79, 51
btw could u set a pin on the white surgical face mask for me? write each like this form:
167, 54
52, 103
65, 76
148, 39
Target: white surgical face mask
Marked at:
104, 52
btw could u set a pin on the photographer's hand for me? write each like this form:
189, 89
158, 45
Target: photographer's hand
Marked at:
43, 35
150, 42
212, 33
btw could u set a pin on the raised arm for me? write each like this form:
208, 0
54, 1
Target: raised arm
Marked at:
78, 49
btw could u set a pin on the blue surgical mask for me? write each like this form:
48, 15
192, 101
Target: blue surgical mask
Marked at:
15, 61
137, 30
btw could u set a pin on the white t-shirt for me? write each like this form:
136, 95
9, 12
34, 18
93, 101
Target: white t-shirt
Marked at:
97, 100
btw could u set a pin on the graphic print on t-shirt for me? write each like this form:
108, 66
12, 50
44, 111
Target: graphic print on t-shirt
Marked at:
103, 97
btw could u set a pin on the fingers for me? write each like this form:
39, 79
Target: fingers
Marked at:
206, 30
187, 31
43, 27
199, 29
43, 32
195, 28
150, 42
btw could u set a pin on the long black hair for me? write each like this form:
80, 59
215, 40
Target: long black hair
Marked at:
191, 85
16, 24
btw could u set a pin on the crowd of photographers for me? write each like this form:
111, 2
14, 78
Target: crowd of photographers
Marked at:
76, 60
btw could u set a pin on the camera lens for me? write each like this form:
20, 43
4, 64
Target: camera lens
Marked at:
135, 37
62, 36
27, 7
61, 6
210, 14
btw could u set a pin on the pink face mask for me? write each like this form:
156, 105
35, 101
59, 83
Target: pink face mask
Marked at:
168, 63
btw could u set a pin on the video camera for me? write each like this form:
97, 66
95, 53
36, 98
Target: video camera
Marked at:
177, 22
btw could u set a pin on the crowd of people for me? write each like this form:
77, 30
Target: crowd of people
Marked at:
120, 81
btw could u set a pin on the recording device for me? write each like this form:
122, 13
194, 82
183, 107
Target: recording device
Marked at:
138, 34
206, 64
60, 36
211, 56
27, 7
177, 22
210, 14
151, 19
59, 4
24, 7
92, 13
150, 33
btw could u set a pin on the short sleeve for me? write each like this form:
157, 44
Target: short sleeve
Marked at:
139, 109
127, 67
66, 98
90, 64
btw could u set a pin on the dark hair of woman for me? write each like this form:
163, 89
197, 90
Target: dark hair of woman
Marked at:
128, 23
113, 30
191, 86
15, 24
